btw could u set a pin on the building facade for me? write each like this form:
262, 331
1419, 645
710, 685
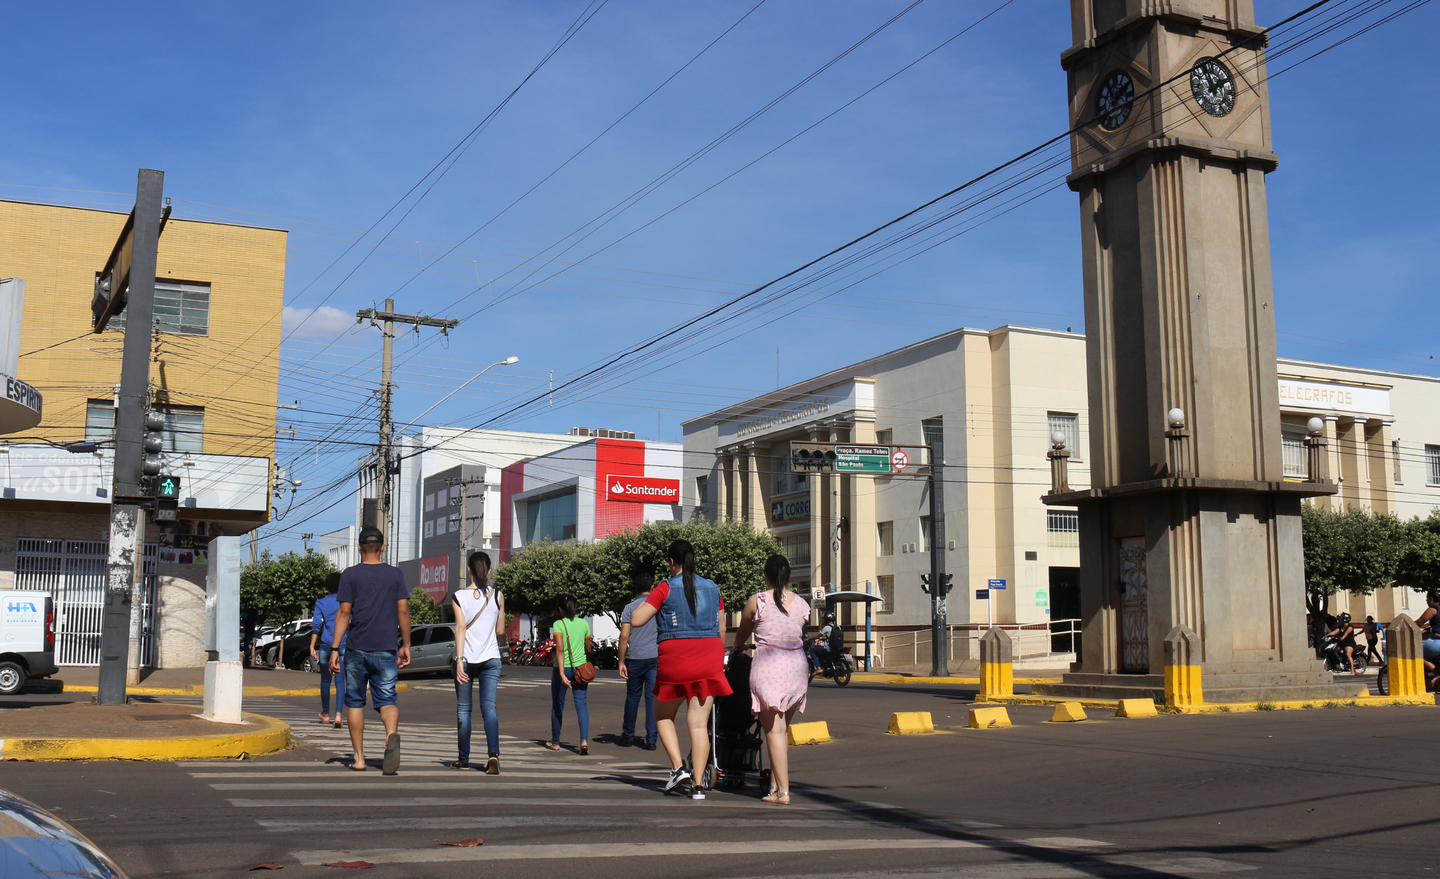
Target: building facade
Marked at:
214, 373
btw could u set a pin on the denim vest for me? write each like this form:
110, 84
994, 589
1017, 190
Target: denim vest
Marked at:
675, 619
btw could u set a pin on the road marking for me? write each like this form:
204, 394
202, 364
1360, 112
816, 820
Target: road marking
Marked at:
580, 772
476, 785
583, 851
367, 825
666, 802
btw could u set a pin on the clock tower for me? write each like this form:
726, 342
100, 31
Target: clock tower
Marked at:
1189, 520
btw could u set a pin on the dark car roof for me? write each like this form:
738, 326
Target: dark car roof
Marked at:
36, 845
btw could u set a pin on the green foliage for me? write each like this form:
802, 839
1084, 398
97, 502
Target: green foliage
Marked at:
282, 589
599, 574
423, 608
1420, 567
1355, 551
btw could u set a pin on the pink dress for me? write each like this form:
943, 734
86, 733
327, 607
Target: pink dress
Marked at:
779, 675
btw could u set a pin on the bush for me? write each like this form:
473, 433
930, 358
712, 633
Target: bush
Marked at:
423, 608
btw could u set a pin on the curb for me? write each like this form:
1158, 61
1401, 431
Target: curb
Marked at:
1234, 707
871, 677
270, 736
199, 690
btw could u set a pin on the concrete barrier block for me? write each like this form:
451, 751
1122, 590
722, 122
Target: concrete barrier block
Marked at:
812, 733
1406, 658
989, 718
909, 723
1067, 712
1136, 708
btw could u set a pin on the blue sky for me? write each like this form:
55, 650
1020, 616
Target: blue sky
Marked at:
318, 117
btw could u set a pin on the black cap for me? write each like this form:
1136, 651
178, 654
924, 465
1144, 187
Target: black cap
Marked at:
371, 534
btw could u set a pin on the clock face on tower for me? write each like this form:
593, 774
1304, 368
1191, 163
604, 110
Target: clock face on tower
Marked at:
1115, 98
1212, 86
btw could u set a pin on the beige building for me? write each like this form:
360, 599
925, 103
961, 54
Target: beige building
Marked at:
214, 374
997, 396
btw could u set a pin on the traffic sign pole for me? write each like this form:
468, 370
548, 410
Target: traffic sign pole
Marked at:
939, 631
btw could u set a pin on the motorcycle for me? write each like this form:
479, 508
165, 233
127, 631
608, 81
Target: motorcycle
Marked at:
1335, 656
606, 654
838, 667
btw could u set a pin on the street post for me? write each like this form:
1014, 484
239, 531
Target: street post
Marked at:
939, 642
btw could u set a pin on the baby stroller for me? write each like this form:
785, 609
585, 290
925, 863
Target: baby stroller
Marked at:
735, 738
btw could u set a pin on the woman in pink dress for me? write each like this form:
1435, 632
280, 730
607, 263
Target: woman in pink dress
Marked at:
779, 674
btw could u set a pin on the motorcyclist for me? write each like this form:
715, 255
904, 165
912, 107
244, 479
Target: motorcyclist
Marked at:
820, 649
1343, 635
1430, 647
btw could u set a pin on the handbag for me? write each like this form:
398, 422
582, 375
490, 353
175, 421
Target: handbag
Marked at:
585, 672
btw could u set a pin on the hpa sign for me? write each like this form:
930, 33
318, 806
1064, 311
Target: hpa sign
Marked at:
640, 489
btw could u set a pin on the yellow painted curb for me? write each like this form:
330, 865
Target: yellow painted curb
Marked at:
199, 690
989, 718
1067, 712
812, 733
1426, 701
268, 736
903, 679
1136, 708
909, 723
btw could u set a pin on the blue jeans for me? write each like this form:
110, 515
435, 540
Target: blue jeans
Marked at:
378, 669
487, 674
323, 651
820, 655
557, 705
640, 683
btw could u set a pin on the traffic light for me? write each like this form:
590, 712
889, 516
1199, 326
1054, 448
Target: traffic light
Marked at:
947, 581
925, 583
167, 499
805, 457
151, 445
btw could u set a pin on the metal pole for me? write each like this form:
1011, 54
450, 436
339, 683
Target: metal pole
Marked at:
835, 537
120, 624
388, 330
939, 635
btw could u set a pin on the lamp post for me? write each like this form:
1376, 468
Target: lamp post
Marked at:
508, 361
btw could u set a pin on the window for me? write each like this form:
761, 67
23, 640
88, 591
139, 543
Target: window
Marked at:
1069, 425
1062, 528
1432, 465
184, 425
887, 593
785, 481
1395, 455
702, 494
180, 307
796, 548
553, 518
885, 537
933, 429
885, 437
924, 534
1292, 454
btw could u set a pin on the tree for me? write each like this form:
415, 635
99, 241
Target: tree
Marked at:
535, 578
1420, 566
282, 589
1355, 551
423, 608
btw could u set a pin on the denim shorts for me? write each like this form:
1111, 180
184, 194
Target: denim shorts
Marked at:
378, 669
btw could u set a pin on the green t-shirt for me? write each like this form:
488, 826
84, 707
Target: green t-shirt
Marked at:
575, 632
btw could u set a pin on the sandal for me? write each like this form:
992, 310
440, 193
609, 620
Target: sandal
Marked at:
324, 718
584, 748
552, 746
772, 797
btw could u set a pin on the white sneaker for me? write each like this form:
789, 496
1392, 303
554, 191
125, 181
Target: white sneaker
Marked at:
697, 792
677, 778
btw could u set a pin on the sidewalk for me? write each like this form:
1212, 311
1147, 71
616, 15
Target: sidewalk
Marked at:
960, 673
140, 731
191, 682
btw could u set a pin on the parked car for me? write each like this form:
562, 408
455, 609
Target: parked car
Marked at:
34, 844
264, 642
432, 649
27, 639
296, 649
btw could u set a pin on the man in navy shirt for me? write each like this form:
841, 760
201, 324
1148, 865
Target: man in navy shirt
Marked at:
374, 609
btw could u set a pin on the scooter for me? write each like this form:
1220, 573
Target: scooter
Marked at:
838, 667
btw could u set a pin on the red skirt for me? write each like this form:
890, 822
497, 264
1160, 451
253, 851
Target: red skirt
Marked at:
691, 667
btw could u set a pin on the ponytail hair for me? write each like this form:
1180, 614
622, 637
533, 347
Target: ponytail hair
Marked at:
567, 606
777, 574
683, 554
479, 565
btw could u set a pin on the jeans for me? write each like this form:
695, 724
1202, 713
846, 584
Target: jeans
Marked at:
557, 705
378, 669
323, 651
487, 675
820, 655
640, 683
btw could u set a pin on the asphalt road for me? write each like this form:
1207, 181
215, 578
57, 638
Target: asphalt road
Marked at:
1295, 793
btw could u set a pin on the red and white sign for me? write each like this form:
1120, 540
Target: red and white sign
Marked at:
643, 490
900, 460
435, 576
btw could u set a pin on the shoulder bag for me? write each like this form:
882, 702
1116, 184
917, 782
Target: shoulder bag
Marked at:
585, 672
460, 646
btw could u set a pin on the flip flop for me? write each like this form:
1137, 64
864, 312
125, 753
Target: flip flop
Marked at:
392, 755
353, 768
552, 746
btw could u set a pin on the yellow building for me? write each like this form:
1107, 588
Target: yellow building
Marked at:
214, 374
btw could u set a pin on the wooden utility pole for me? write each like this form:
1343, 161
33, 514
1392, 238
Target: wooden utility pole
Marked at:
387, 320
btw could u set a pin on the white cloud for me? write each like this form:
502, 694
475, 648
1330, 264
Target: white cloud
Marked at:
315, 323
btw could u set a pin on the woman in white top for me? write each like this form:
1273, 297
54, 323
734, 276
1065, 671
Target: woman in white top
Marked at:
479, 624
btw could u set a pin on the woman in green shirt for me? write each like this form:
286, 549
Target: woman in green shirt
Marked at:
572, 646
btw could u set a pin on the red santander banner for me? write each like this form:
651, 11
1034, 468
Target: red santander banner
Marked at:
642, 490
435, 576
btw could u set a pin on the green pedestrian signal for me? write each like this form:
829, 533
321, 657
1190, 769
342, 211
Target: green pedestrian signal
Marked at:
168, 487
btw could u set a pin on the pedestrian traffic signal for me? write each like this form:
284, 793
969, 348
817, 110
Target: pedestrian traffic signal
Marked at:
168, 487
925, 583
947, 582
167, 499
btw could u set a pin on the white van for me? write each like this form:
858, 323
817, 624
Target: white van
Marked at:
27, 638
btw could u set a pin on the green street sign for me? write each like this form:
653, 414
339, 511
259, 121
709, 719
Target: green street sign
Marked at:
863, 459
167, 487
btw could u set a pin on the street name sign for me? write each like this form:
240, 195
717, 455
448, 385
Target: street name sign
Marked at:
997, 584
863, 459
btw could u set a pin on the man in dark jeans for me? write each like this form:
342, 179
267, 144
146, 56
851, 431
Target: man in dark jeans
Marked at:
374, 610
639, 654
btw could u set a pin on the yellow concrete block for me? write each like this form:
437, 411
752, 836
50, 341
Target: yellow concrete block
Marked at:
1136, 708
909, 723
989, 718
808, 733
997, 681
1407, 677
1182, 686
1067, 712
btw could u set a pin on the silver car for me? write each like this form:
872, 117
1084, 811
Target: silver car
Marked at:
432, 649
36, 845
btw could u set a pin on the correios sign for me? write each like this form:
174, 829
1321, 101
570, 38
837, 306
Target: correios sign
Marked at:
643, 490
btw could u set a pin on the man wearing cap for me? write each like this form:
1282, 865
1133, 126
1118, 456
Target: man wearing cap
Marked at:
374, 607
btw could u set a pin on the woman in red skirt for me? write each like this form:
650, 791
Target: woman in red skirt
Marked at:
690, 627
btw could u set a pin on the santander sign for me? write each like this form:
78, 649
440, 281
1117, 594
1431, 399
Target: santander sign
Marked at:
640, 489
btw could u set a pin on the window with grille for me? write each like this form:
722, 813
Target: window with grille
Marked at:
1395, 455
1062, 528
887, 593
1069, 425
184, 425
933, 429
1432, 465
885, 437
181, 307
924, 534
796, 548
1292, 454
885, 537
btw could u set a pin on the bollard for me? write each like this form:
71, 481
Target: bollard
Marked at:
1068, 712
812, 733
997, 672
1404, 658
989, 718
909, 723
1136, 708
1182, 669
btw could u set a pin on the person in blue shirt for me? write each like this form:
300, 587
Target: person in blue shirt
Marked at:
323, 628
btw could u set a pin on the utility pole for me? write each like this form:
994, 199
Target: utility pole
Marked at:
387, 320
463, 503
128, 282
939, 582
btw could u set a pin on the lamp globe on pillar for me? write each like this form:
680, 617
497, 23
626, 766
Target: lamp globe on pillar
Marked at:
1316, 426
1057, 439
1315, 451
1176, 418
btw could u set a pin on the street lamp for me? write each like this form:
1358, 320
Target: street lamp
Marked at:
508, 361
